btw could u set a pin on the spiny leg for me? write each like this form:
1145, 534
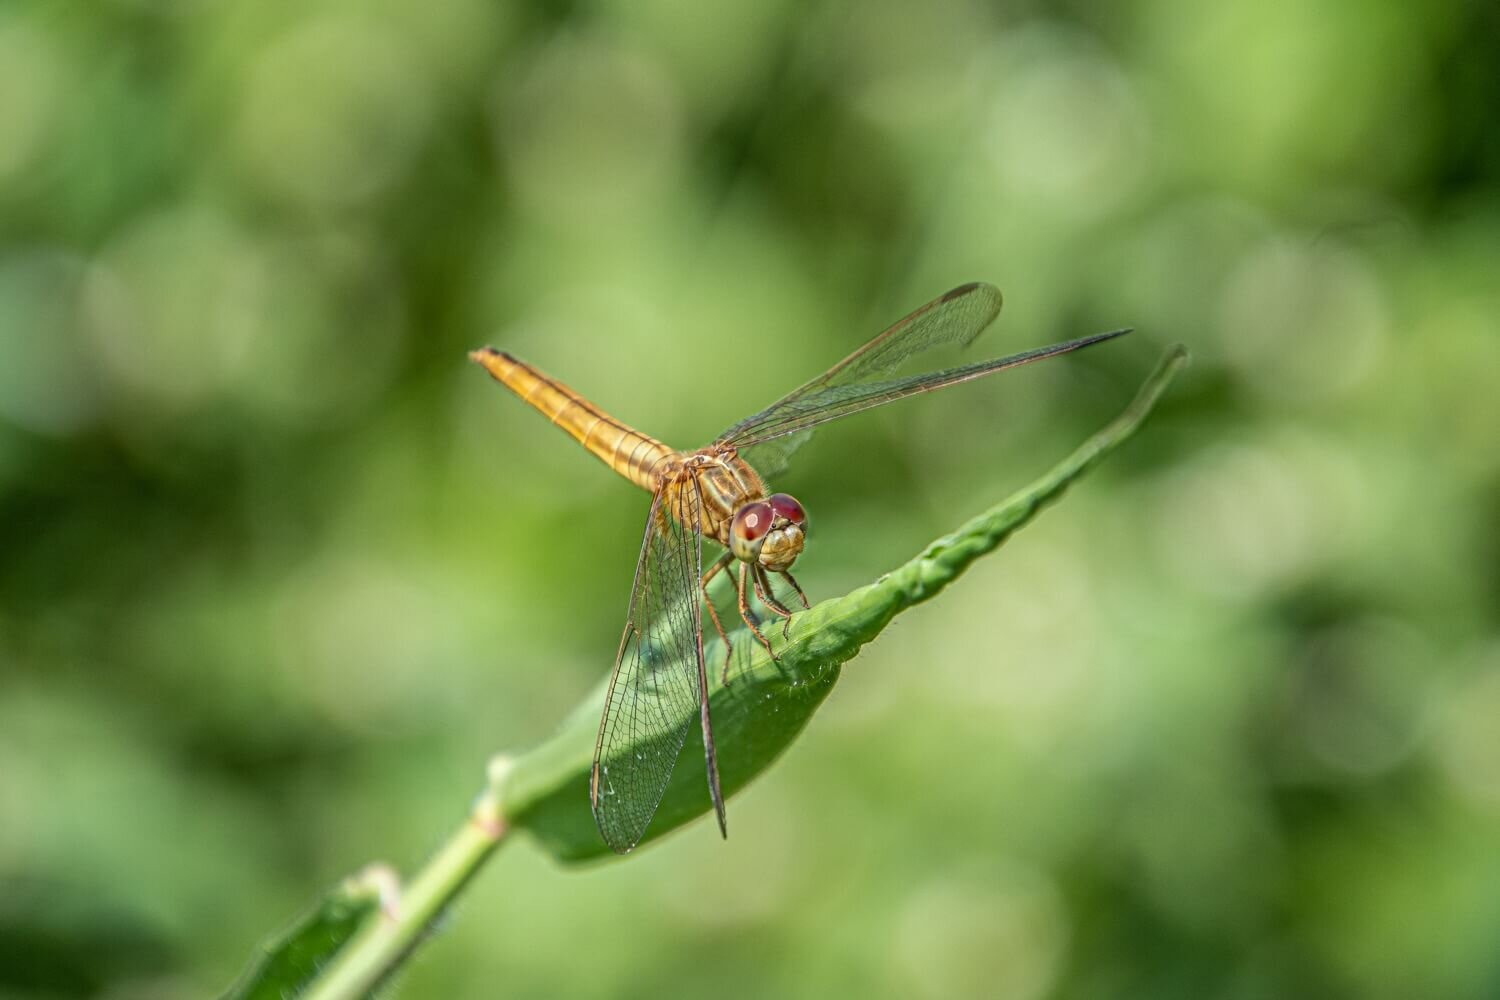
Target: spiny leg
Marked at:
795, 586
768, 595
719, 564
768, 598
745, 614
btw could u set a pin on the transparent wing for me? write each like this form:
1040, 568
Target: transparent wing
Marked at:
656, 692
768, 439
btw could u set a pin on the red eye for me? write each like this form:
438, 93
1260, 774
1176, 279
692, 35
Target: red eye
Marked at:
752, 521
785, 506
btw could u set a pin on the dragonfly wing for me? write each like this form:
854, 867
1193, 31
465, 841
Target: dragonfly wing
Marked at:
656, 692
862, 380
793, 422
955, 319
773, 456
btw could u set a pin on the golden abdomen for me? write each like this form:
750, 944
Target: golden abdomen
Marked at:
624, 449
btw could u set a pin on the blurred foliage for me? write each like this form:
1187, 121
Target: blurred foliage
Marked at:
279, 569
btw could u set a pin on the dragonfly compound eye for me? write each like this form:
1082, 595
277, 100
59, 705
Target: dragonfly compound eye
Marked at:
785, 506
751, 523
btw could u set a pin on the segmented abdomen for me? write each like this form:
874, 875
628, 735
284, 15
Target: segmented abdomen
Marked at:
627, 451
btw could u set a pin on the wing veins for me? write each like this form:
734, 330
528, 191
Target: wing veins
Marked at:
657, 689
821, 407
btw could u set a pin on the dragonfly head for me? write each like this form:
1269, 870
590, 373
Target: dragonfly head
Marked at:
769, 532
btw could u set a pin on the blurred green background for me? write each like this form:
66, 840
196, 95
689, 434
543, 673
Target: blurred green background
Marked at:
279, 568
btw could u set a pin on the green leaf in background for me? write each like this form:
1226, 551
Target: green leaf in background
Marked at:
292, 962
766, 703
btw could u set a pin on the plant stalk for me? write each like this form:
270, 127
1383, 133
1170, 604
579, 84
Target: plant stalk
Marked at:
377, 950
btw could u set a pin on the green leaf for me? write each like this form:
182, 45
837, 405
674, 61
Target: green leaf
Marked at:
291, 963
545, 791
767, 703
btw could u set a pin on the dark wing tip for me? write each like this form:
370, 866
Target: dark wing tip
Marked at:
969, 288
986, 296
1082, 342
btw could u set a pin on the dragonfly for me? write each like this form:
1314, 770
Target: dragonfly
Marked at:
659, 686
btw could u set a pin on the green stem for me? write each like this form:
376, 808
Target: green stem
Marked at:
376, 951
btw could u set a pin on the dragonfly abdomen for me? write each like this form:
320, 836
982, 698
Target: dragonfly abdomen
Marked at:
624, 449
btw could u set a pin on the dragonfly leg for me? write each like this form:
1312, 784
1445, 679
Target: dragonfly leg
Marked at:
795, 586
719, 564
768, 598
746, 617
